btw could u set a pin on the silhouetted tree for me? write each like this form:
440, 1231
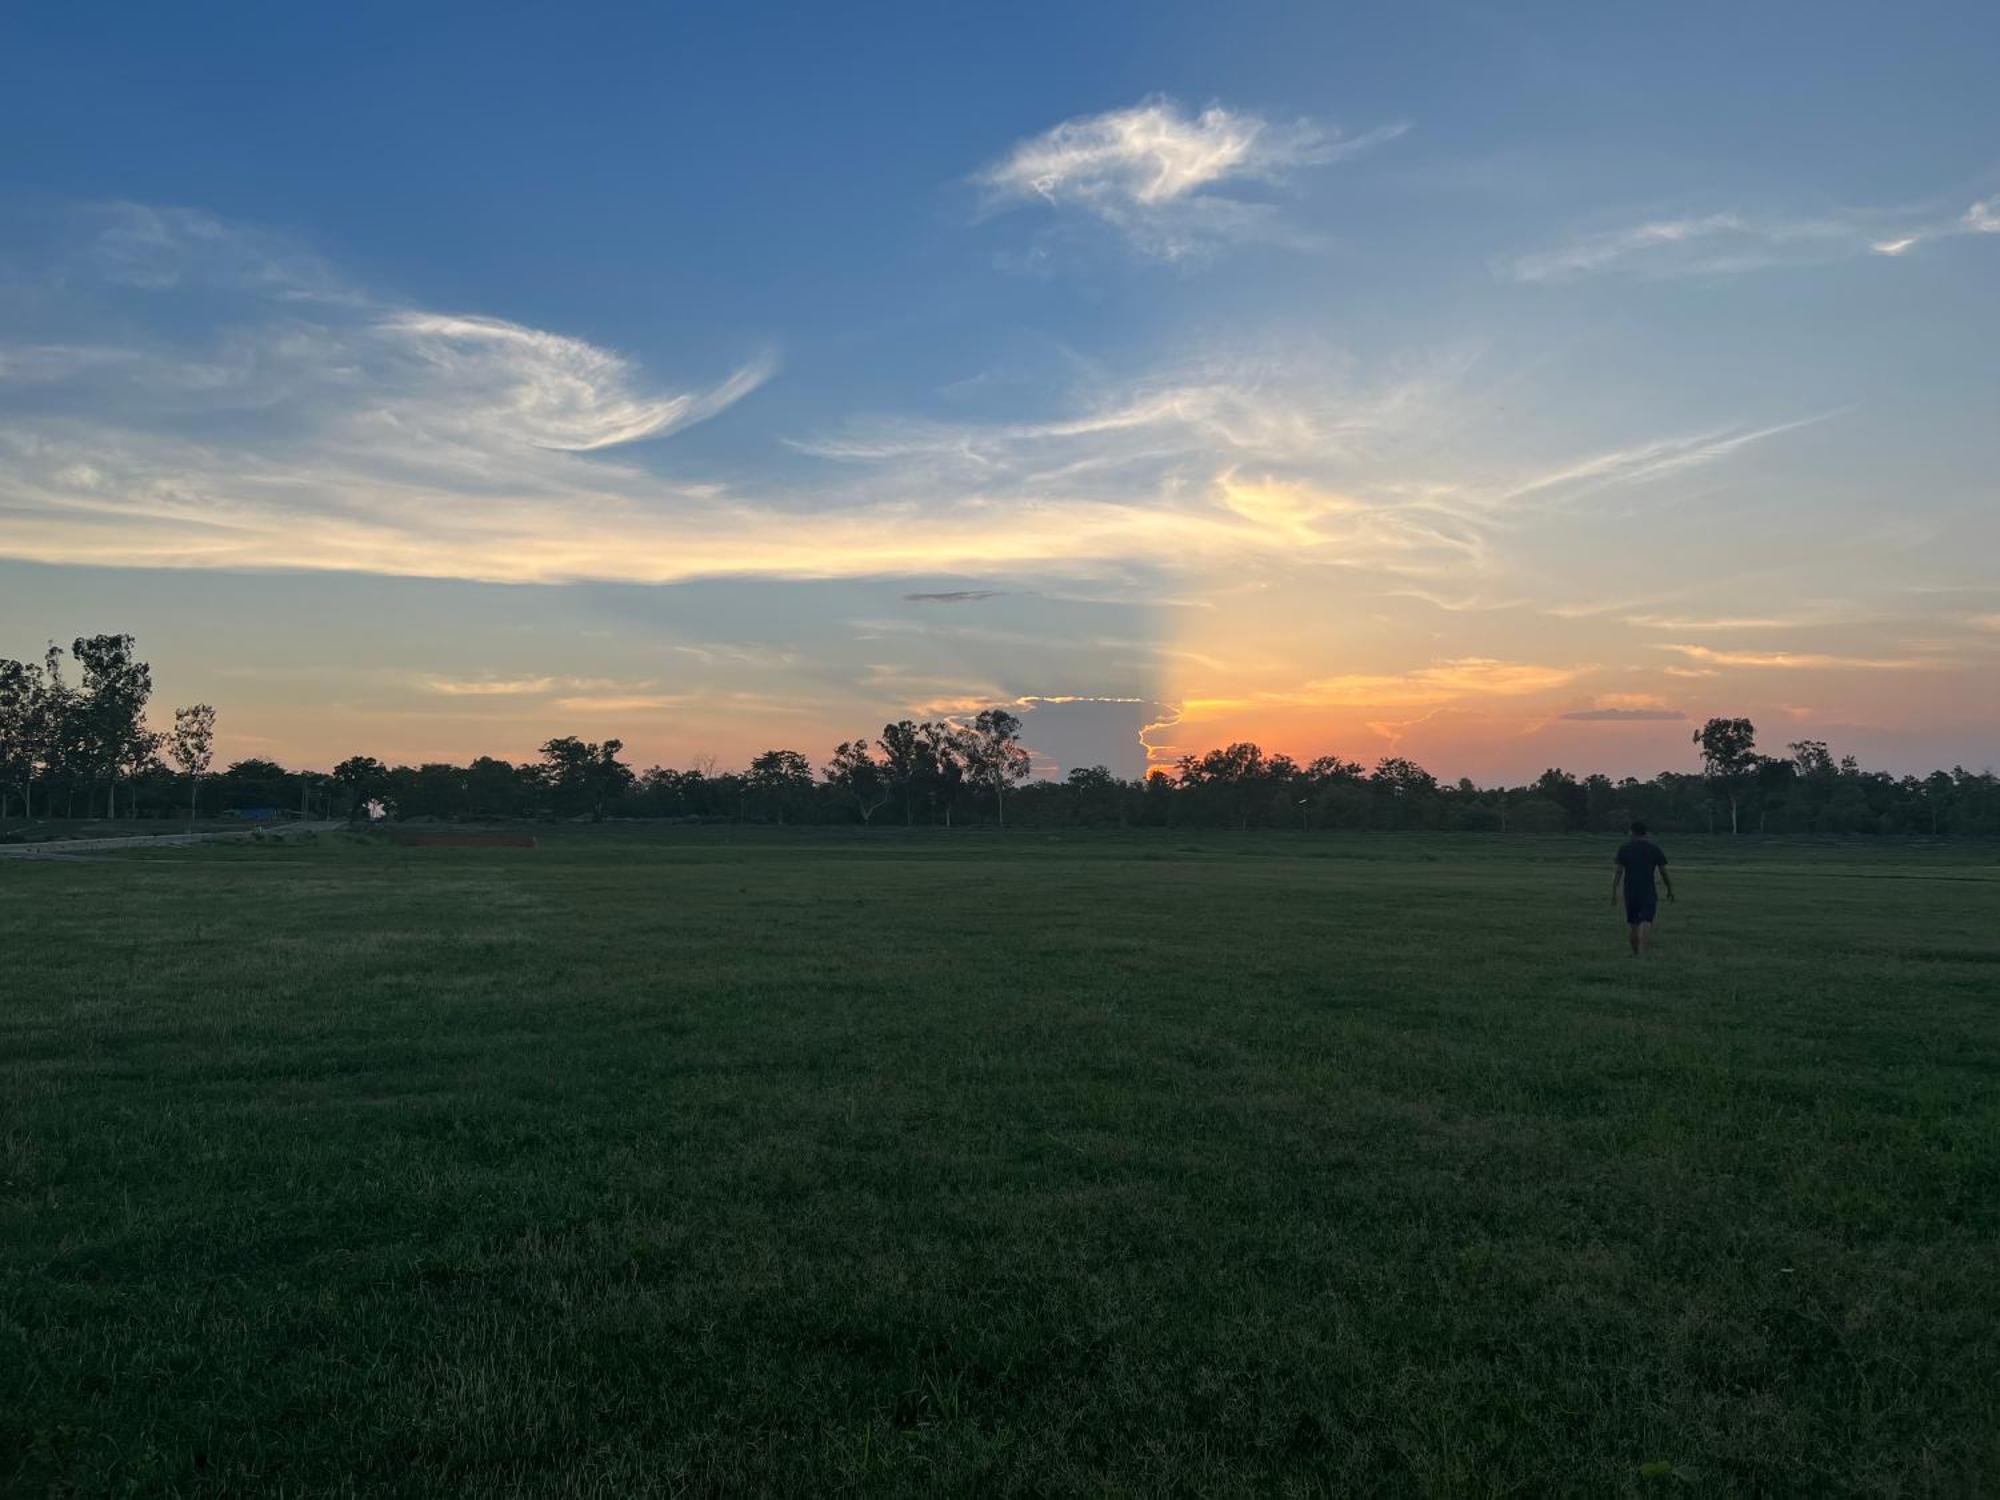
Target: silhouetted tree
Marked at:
1728, 755
1096, 796
364, 778
255, 783
857, 773
191, 743
943, 767
907, 763
109, 710
993, 755
780, 779
19, 745
583, 776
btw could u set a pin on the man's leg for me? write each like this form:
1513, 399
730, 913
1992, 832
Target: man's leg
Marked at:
1633, 938
1642, 938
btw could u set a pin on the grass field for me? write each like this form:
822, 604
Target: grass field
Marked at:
674, 1162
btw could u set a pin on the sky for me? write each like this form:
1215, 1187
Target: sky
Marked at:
1502, 387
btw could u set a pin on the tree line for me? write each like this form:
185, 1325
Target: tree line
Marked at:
82, 748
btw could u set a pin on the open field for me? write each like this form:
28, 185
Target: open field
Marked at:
651, 1162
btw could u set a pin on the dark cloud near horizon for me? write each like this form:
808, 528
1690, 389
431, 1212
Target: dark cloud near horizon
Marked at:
1068, 733
1627, 715
955, 596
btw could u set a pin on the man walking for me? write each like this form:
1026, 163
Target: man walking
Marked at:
1632, 872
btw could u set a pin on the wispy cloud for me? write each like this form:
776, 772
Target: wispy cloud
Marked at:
954, 596
1622, 715
1153, 171
354, 434
1730, 243
1439, 683
491, 687
1806, 661
1642, 462
1724, 622
159, 248
1982, 217
733, 654
512, 687
622, 703
484, 378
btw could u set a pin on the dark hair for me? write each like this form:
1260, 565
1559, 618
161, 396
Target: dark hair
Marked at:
1638, 828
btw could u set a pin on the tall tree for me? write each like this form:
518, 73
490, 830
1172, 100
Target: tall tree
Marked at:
51, 730
20, 688
994, 756
1728, 756
780, 779
191, 743
364, 779
111, 707
1234, 778
943, 767
858, 774
584, 775
906, 758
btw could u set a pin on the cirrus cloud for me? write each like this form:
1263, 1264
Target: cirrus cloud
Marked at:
1153, 171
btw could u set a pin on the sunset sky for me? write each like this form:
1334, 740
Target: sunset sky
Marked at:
1504, 387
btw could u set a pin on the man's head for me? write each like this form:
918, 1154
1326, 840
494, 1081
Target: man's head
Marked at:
1638, 828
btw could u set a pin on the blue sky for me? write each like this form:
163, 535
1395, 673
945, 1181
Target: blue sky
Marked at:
1506, 390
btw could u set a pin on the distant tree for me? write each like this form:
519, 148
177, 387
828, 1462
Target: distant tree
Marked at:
1332, 769
435, 789
255, 783
493, 788
993, 755
365, 779
1402, 777
1812, 758
584, 776
110, 708
1096, 796
943, 767
1567, 793
1405, 793
780, 779
859, 775
191, 744
1728, 756
1937, 792
20, 689
1231, 779
53, 728
907, 763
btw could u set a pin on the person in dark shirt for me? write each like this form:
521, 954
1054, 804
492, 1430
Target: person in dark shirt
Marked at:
1632, 875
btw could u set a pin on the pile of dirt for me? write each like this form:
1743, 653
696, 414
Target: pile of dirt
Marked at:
459, 839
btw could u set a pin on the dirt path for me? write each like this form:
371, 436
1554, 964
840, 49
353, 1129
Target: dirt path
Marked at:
58, 848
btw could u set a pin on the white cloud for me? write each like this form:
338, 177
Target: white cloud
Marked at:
1802, 661
140, 245
360, 436
1152, 171
480, 378
1709, 245
1723, 244
1436, 684
1642, 462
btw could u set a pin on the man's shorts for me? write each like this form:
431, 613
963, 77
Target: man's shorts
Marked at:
1642, 908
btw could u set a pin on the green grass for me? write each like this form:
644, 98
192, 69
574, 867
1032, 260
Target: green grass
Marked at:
674, 1162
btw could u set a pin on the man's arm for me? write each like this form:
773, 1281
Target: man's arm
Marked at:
1617, 880
1666, 880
